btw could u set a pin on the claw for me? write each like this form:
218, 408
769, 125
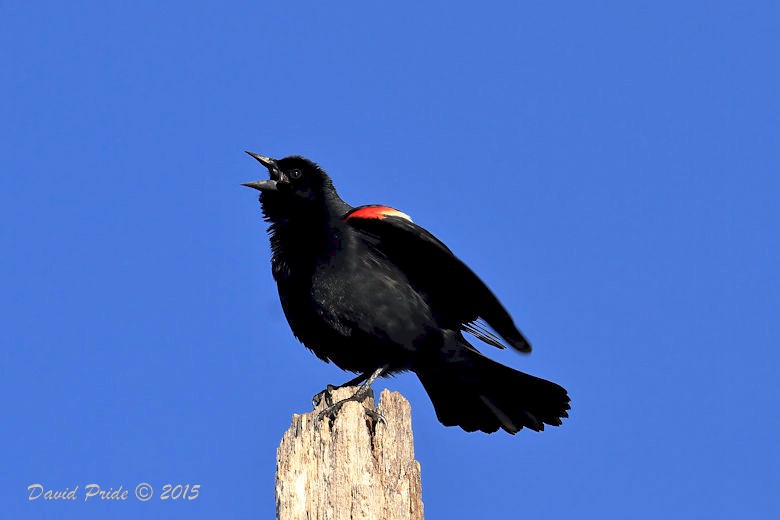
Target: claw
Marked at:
376, 416
327, 394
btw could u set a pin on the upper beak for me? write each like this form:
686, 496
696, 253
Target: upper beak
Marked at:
267, 184
265, 161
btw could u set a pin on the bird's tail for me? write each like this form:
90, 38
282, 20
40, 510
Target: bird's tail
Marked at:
477, 393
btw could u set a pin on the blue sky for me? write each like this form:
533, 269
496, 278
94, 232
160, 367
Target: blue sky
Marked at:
609, 169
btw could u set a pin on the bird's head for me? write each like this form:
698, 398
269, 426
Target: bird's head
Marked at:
296, 187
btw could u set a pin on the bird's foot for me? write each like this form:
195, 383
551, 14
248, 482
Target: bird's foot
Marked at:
327, 394
332, 410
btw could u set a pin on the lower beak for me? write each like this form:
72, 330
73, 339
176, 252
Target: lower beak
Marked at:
264, 185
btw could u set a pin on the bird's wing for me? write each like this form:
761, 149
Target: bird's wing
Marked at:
459, 298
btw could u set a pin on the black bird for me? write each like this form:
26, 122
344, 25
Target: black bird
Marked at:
376, 294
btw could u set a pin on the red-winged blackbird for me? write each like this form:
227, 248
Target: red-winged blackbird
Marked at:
377, 295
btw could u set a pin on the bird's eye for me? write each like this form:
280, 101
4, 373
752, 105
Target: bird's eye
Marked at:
295, 174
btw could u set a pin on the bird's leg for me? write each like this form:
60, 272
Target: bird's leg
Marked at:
327, 393
362, 392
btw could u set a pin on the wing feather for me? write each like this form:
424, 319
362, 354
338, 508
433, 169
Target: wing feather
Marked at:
459, 298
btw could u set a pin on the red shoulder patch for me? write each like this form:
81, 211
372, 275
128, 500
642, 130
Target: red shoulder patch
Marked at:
376, 212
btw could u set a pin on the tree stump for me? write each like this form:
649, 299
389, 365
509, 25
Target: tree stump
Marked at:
350, 468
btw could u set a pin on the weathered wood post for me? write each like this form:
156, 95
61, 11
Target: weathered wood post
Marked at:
350, 468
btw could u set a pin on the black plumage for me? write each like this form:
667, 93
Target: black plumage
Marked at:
371, 291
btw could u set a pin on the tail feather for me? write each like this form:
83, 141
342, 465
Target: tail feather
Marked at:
477, 393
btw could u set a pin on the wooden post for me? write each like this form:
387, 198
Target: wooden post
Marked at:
350, 468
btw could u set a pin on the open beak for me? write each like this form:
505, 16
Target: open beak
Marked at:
267, 184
